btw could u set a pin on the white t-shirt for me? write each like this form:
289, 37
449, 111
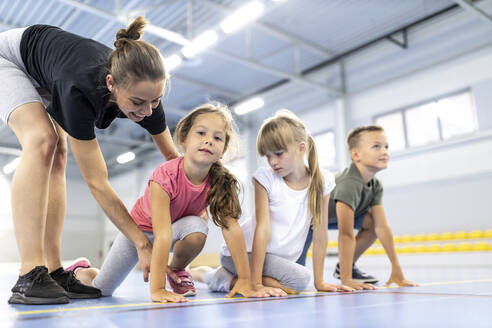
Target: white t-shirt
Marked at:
290, 217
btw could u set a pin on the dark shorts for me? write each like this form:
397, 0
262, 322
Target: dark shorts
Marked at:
358, 220
357, 223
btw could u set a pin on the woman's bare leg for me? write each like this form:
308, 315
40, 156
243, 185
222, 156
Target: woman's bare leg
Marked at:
56, 203
37, 136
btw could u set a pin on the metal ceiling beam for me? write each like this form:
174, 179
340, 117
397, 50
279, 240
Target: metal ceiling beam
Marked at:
11, 11
470, 7
106, 27
156, 30
275, 31
205, 86
33, 11
338, 58
154, 6
161, 33
21, 12
276, 72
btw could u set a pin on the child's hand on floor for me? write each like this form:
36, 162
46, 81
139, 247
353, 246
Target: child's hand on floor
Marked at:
326, 287
276, 292
358, 285
399, 279
164, 296
243, 287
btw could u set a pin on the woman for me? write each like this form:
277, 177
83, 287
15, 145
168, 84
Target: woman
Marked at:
53, 84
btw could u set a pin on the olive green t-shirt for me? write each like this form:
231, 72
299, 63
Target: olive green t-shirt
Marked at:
350, 189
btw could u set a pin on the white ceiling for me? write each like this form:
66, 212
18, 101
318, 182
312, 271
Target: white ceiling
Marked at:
299, 54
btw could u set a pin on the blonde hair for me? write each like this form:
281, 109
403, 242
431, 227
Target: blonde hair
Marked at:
223, 198
282, 130
354, 135
134, 59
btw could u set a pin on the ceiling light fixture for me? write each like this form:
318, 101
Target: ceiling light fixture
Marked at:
172, 62
199, 44
125, 157
242, 16
249, 106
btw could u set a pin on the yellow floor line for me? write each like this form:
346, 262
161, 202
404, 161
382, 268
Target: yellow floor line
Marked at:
116, 306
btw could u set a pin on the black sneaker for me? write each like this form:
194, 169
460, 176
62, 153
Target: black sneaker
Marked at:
74, 288
37, 287
357, 275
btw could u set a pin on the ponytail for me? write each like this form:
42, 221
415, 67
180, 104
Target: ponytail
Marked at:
223, 197
317, 185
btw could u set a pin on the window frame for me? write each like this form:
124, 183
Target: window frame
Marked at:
403, 110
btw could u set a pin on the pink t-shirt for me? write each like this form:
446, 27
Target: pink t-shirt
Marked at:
186, 198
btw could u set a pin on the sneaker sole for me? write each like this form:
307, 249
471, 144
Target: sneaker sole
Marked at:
18, 298
189, 293
78, 296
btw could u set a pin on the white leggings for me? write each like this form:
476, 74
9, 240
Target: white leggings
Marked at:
123, 256
288, 273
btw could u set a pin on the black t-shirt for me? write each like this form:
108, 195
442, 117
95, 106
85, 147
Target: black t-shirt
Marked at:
73, 69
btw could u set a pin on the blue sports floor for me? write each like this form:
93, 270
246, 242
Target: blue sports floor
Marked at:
455, 291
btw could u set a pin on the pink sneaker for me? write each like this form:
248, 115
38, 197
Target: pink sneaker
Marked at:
186, 287
79, 263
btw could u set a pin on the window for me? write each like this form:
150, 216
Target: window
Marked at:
325, 145
422, 125
456, 115
430, 122
393, 125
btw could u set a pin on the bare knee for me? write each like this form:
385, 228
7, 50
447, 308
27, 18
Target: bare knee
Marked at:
368, 224
60, 157
42, 145
196, 239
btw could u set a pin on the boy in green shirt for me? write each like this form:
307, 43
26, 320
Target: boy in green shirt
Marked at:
356, 203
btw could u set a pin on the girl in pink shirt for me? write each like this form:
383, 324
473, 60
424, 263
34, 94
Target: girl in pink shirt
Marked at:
178, 192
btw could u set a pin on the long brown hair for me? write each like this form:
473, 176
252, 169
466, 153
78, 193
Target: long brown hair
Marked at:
133, 59
223, 198
282, 130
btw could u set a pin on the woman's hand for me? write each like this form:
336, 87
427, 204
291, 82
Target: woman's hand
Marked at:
144, 256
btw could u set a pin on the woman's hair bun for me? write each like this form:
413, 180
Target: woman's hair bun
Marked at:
133, 32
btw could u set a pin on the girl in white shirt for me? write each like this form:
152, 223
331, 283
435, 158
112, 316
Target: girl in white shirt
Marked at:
289, 197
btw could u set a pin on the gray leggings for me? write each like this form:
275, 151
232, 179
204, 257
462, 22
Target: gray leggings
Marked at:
288, 273
123, 256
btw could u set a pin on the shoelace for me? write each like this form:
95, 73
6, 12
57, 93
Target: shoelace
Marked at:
185, 278
71, 278
41, 275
